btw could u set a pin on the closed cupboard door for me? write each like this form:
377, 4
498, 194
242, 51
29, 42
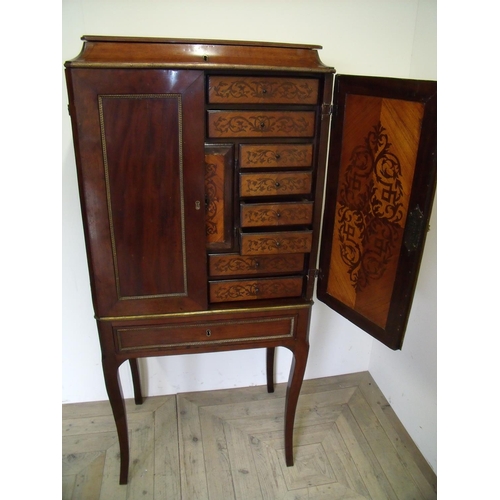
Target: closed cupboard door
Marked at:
380, 188
141, 177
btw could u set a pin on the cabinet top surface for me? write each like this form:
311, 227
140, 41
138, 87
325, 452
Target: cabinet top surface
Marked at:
140, 52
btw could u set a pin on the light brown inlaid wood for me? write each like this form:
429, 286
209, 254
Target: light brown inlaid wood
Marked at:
235, 264
246, 89
260, 123
377, 166
253, 289
276, 214
276, 242
275, 155
274, 183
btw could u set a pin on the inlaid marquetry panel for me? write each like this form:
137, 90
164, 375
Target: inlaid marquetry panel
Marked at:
276, 214
275, 155
276, 242
261, 123
228, 444
218, 195
253, 89
275, 184
235, 264
376, 173
253, 289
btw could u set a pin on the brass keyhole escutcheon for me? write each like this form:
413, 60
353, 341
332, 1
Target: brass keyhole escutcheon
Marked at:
209, 333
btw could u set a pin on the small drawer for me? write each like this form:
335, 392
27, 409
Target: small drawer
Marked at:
261, 123
275, 183
275, 155
255, 289
276, 214
244, 89
235, 264
276, 243
203, 333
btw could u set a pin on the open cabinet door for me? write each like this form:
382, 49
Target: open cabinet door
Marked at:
380, 188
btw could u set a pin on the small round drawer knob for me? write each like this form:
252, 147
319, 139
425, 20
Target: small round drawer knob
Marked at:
278, 215
278, 244
262, 124
256, 264
277, 156
256, 290
209, 333
277, 184
264, 91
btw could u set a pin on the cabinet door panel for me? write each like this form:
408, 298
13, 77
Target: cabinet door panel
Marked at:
134, 159
381, 183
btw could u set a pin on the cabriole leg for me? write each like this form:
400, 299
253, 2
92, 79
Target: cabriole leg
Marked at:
297, 370
113, 387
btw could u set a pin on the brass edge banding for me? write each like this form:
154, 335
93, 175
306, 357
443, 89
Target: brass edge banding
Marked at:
108, 190
195, 65
211, 312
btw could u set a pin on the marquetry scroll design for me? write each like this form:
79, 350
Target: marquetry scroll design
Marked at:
370, 209
255, 124
280, 214
222, 265
272, 155
251, 290
270, 90
285, 242
265, 185
218, 188
213, 200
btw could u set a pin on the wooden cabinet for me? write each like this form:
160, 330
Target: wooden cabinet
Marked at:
202, 167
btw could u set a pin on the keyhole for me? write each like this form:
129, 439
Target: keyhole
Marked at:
209, 333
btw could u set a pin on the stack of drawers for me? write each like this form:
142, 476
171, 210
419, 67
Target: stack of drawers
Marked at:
271, 124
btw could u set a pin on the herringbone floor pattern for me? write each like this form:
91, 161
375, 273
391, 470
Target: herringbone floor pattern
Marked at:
222, 445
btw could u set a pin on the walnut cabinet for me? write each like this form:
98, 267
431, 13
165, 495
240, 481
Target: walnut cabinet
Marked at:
209, 171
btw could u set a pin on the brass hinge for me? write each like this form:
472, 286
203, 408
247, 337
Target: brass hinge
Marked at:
314, 273
326, 109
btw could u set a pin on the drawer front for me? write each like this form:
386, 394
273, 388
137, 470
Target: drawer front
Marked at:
275, 243
234, 264
255, 289
261, 123
243, 90
276, 214
275, 155
275, 183
203, 333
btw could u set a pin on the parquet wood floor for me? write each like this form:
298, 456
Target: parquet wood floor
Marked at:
228, 444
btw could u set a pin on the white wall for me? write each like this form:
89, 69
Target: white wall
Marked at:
387, 38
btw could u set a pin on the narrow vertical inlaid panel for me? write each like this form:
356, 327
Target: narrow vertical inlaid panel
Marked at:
381, 139
142, 146
218, 195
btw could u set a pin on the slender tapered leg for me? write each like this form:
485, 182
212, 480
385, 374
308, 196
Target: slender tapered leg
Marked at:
113, 387
270, 369
136, 380
297, 370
